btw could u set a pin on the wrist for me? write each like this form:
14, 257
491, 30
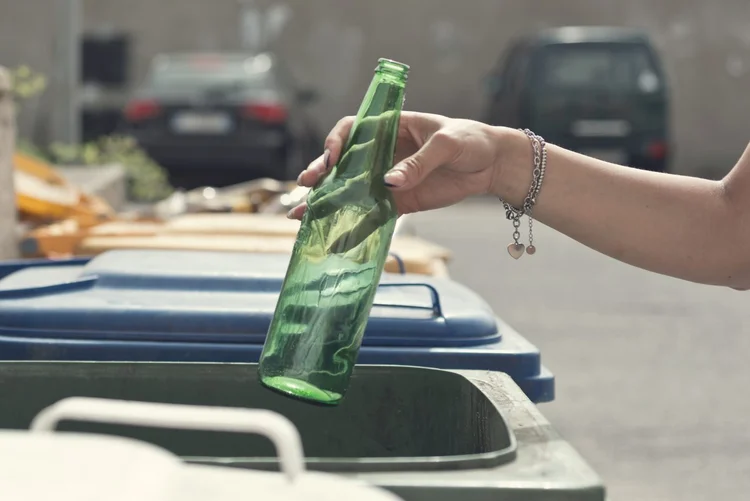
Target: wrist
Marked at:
513, 166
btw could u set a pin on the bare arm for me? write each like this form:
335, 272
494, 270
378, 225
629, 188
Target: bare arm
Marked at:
689, 228
686, 227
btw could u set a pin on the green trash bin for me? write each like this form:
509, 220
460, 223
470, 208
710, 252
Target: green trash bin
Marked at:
425, 434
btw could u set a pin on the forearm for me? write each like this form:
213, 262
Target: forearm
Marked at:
676, 225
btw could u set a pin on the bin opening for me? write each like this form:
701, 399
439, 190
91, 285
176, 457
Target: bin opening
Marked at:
393, 418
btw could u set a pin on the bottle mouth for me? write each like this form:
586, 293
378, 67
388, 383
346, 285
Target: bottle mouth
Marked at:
392, 67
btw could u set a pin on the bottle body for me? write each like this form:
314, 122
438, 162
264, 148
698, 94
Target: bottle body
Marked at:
338, 257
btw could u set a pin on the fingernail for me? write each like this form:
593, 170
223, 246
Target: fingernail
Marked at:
299, 178
395, 178
327, 158
290, 214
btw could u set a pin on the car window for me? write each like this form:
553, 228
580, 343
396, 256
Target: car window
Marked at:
581, 66
202, 72
505, 58
511, 59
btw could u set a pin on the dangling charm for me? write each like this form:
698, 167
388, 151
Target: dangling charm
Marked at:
516, 249
530, 250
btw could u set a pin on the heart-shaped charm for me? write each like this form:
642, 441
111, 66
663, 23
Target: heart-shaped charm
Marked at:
516, 250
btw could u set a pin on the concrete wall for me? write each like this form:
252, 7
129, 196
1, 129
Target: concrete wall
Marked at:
334, 44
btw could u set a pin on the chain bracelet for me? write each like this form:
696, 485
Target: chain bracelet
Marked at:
514, 214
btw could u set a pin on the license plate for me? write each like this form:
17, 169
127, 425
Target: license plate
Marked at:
613, 156
201, 123
601, 128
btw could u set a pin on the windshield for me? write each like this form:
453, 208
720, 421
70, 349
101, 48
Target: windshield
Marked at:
198, 73
613, 66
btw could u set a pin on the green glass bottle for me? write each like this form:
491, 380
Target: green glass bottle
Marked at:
338, 257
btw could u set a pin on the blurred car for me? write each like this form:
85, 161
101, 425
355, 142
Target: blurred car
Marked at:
222, 118
596, 90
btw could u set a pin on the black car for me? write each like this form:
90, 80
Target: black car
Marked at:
596, 90
223, 118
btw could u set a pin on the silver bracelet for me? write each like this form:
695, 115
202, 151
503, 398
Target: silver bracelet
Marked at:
516, 248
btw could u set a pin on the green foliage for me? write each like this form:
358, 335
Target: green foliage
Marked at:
26, 83
148, 181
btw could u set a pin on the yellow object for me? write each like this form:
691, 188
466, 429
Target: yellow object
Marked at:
232, 232
271, 225
44, 195
417, 255
64, 238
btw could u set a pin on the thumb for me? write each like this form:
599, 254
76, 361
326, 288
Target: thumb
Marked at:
437, 151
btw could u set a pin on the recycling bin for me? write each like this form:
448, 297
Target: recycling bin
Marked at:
146, 305
422, 433
42, 464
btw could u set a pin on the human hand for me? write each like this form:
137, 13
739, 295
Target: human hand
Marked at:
439, 161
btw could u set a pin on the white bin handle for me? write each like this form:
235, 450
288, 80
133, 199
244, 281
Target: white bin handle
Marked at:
277, 428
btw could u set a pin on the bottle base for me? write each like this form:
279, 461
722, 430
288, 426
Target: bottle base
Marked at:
301, 390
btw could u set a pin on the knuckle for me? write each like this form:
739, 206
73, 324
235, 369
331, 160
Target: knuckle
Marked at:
343, 124
451, 144
339, 132
414, 168
446, 139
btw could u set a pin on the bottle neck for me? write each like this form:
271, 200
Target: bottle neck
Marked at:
373, 137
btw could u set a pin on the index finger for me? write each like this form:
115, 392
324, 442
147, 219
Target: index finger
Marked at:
337, 138
334, 143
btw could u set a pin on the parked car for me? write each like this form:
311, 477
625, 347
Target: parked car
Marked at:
223, 117
596, 90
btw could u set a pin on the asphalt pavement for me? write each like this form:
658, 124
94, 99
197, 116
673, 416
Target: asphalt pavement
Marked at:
652, 373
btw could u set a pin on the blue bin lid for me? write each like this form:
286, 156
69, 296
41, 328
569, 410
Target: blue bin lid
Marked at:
218, 297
